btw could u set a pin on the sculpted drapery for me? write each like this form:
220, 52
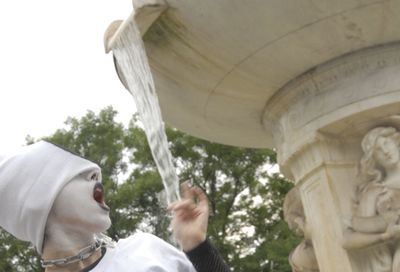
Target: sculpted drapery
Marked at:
372, 237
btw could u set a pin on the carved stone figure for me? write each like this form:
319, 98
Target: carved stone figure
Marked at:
372, 236
302, 258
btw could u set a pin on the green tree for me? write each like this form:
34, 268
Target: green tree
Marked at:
244, 228
246, 202
16, 255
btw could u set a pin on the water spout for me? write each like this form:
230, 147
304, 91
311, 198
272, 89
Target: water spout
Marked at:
145, 13
134, 70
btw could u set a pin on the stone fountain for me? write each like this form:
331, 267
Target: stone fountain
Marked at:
308, 78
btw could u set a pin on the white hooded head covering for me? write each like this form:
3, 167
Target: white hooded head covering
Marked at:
30, 181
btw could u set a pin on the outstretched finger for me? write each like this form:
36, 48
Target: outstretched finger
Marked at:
185, 189
198, 193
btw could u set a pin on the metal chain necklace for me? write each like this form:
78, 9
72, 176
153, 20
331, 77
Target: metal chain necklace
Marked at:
82, 255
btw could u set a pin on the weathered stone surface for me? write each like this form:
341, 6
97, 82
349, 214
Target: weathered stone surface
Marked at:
218, 63
373, 235
309, 78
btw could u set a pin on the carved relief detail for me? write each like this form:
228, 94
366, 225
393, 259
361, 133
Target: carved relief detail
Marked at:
302, 258
319, 80
372, 236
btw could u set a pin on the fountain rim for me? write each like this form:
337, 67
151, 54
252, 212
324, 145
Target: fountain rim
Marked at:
110, 41
205, 127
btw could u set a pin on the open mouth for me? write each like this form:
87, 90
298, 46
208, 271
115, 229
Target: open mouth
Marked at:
98, 196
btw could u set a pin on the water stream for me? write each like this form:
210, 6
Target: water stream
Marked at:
132, 59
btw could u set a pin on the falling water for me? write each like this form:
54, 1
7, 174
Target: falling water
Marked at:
131, 56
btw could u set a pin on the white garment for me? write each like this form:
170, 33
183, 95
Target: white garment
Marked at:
30, 181
143, 252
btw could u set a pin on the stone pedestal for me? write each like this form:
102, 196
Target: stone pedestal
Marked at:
324, 177
319, 120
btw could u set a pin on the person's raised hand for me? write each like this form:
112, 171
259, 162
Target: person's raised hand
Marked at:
190, 217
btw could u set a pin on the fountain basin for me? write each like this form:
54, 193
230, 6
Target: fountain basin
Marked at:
308, 78
217, 64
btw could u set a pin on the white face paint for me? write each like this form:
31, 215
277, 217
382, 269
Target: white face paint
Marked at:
80, 205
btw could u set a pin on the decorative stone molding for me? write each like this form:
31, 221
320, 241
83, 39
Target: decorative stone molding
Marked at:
323, 217
332, 92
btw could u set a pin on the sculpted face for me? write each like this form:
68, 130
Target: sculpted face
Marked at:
298, 225
80, 205
386, 152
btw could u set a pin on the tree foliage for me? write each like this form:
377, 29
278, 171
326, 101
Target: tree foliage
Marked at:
246, 221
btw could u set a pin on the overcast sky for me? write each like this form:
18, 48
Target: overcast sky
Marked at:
53, 65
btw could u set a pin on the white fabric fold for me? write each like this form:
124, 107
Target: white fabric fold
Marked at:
143, 252
30, 180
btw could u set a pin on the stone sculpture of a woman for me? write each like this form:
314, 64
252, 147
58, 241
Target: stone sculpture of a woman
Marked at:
372, 237
302, 258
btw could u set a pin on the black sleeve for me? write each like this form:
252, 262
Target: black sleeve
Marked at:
206, 258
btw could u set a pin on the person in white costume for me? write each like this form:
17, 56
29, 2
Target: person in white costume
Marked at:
54, 199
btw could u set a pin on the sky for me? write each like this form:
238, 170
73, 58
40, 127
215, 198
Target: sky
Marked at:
53, 65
